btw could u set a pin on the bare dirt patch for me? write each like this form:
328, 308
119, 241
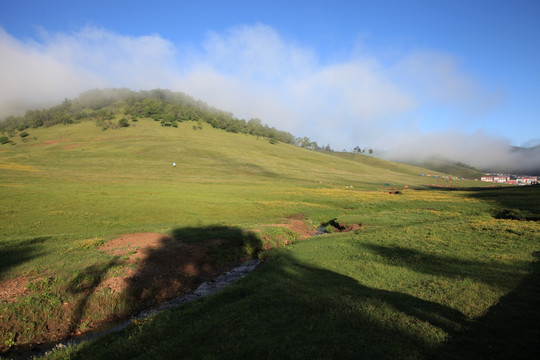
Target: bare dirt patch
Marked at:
298, 223
299, 226
161, 267
146, 270
11, 289
352, 227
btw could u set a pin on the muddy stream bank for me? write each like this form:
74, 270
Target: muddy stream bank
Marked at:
207, 288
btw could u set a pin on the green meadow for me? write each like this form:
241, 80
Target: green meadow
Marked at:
432, 269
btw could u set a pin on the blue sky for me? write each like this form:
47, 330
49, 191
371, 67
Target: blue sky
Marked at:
411, 76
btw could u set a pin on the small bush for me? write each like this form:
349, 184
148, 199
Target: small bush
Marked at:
24, 134
4, 139
123, 122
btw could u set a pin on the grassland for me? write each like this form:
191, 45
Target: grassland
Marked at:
433, 271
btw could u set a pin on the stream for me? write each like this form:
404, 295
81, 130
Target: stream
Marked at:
205, 289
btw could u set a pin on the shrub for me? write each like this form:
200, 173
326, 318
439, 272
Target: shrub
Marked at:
123, 122
23, 134
4, 139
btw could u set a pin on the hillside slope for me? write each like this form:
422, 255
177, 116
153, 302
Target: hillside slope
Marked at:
79, 202
63, 167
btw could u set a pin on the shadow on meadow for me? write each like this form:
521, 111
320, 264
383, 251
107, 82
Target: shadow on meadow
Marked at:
83, 286
13, 253
510, 202
165, 267
513, 203
489, 272
142, 273
509, 330
290, 310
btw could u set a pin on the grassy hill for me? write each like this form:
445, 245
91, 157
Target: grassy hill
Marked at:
423, 267
451, 168
108, 180
456, 169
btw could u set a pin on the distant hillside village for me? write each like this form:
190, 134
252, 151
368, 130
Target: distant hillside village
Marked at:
510, 179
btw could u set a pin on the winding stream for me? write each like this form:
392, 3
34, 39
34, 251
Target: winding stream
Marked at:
205, 289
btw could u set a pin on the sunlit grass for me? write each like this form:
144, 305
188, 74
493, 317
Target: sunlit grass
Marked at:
425, 264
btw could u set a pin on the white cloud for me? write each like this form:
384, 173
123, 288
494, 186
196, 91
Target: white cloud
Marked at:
140, 62
32, 77
257, 53
252, 71
38, 74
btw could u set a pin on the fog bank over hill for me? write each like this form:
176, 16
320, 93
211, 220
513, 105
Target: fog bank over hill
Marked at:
404, 104
484, 152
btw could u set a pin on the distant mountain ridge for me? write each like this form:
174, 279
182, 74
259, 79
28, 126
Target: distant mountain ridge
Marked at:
449, 167
527, 162
524, 164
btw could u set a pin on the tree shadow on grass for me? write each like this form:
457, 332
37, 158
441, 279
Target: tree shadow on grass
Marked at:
509, 330
165, 267
489, 272
83, 286
288, 310
13, 253
511, 202
158, 269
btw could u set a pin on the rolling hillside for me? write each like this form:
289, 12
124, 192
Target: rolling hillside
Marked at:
98, 223
121, 173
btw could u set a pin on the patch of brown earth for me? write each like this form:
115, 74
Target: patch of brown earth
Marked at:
337, 227
11, 289
161, 267
300, 227
352, 227
296, 223
146, 270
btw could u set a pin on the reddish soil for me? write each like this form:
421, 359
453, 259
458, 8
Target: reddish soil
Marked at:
352, 227
162, 266
298, 226
158, 268
11, 289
